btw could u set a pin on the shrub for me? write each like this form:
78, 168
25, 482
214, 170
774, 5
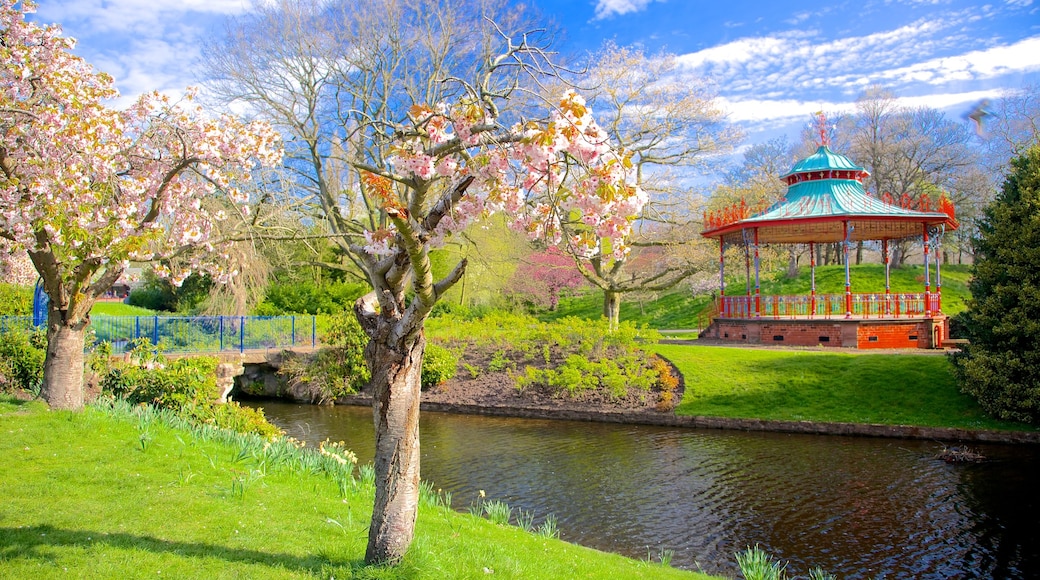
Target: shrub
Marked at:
1001, 365
333, 371
187, 386
21, 360
327, 374
294, 298
439, 365
15, 300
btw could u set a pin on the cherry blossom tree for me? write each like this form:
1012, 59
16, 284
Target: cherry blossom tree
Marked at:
451, 167
85, 189
544, 275
416, 104
16, 268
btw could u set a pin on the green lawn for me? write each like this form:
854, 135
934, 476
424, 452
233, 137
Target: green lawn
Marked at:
94, 495
825, 386
120, 309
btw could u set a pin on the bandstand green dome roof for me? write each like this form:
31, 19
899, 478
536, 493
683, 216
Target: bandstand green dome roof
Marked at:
825, 192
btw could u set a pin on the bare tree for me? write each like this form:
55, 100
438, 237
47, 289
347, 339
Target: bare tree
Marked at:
671, 124
914, 153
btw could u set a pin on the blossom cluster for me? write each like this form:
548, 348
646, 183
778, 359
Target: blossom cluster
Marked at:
99, 186
542, 175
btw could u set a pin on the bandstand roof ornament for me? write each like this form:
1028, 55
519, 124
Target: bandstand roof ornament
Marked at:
825, 190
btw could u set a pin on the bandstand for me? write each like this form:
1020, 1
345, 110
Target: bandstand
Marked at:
826, 204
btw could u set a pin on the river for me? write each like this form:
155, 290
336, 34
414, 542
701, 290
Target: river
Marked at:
857, 507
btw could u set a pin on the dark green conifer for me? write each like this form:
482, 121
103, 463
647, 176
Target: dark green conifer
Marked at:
1001, 366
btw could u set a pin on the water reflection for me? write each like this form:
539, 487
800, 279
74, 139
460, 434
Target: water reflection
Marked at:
858, 507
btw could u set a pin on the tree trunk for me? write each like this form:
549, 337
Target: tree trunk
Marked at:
792, 263
396, 374
612, 308
63, 365
859, 252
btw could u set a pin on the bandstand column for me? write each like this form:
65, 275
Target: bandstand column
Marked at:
927, 278
848, 279
936, 246
812, 279
888, 286
758, 289
746, 308
722, 276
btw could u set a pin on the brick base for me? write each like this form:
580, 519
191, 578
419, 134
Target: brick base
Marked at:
869, 333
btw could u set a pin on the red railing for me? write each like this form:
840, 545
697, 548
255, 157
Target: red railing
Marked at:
872, 305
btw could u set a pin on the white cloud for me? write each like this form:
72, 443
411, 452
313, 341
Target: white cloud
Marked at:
1022, 56
777, 111
608, 8
145, 45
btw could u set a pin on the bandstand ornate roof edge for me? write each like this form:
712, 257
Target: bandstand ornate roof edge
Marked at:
825, 192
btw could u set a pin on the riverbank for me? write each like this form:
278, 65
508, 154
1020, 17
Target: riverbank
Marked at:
812, 391
99, 494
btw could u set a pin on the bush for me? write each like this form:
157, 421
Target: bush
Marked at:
439, 365
294, 298
21, 360
1001, 365
333, 371
15, 300
160, 294
187, 386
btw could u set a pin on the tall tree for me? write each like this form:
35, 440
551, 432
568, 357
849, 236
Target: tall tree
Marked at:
1001, 365
1010, 125
413, 97
85, 188
913, 152
671, 124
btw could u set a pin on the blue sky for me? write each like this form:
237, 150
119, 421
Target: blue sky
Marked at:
774, 62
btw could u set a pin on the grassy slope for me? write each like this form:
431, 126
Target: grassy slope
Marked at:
678, 309
83, 498
120, 309
828, 386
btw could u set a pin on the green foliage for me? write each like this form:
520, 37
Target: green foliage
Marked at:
186, 386
149, 377
157, 293
439, 365
579, 356
337, 370
756, 564
296, 298
1001, 366
21, 360
15, 300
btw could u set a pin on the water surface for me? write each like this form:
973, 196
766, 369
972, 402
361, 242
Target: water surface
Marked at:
857, 507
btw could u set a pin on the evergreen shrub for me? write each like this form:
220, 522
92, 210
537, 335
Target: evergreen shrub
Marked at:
1001, 365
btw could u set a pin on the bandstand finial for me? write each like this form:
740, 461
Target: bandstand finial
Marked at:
820, 124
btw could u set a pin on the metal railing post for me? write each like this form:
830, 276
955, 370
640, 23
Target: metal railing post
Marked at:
242, 334
220, 326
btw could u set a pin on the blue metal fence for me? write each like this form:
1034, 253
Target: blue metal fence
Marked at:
180, 334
